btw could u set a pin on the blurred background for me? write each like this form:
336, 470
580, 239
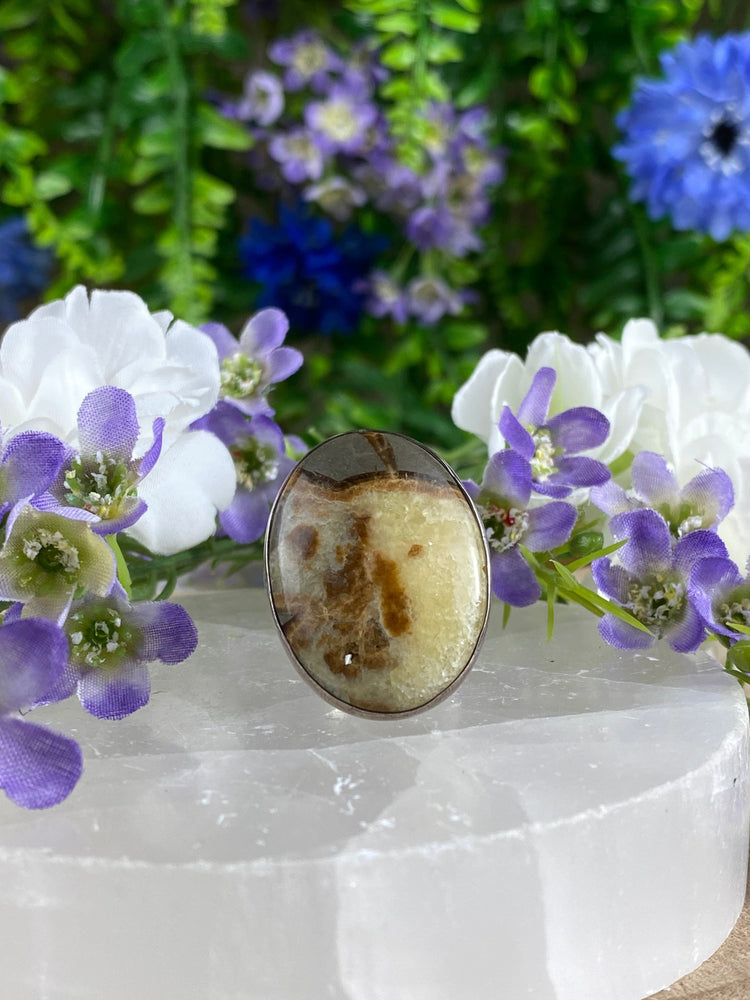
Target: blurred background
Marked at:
412, 182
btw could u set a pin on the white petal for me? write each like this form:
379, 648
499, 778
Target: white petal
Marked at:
191, 481
471, 409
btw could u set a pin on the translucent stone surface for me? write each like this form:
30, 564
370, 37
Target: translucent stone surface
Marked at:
571, 824
378, 572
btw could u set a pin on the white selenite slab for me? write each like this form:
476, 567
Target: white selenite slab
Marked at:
571, 825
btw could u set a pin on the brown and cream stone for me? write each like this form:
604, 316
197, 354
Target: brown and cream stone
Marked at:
378, 578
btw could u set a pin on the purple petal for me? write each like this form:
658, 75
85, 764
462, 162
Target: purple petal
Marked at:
578, 429
580, 471
226, 421
549, 526
130, 513
652, 479
710, 580
471, 488
113, 695
513, 580
649, 545
516, 435
149, 459
508, 477
622, 635
548, 488
246, 518
30, 463
701, 544
33, 656
107, 421
169, 634
610, 579
712, 492
49, 503
38, 768
611, 498
535, 404
686, 634
226, 345
263, 332
284, 361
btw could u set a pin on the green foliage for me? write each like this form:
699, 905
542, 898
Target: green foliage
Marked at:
125, 130
417, 40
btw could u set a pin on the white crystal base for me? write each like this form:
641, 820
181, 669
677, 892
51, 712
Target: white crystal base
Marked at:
571, 825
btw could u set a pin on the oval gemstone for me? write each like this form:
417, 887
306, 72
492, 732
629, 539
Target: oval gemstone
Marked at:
377, 572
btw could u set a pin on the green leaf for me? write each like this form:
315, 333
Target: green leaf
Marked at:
156, 199
454, 19
398, 23
51, 184
442, 49
16, 14
398, 55
221, 133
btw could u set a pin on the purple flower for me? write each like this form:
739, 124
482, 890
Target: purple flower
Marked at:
722, 596
651, 582
503, 504
29, 464
429, 299
46, 558
340, 122
100, 483
38, 768
258, 448
552, 445
308, 60
111, 641
429, 226
262, 100
249, 367
298, 154
702, 503
386, 298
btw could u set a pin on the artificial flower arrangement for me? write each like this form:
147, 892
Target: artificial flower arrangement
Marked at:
131, 438
322, 143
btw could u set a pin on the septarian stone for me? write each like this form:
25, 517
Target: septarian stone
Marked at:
377, 572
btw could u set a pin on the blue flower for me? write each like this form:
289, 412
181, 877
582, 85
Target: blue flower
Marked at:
305, 269
24, 268
686, 142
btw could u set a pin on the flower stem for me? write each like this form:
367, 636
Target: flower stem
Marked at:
650, 268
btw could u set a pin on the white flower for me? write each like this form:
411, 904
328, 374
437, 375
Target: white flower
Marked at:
686, 398
697, 412
50, 361
503, 378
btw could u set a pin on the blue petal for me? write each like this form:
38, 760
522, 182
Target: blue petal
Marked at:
508, 478
622, 635
516, 435
107, 422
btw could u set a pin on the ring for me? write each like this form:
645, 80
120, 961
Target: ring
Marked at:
377, 570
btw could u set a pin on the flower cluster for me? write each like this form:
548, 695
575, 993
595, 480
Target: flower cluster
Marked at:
667, 572
119, 428
242, 418
686, 137
319, 130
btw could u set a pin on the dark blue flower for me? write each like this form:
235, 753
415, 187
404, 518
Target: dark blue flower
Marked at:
686, 138
304, 268
24, 268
